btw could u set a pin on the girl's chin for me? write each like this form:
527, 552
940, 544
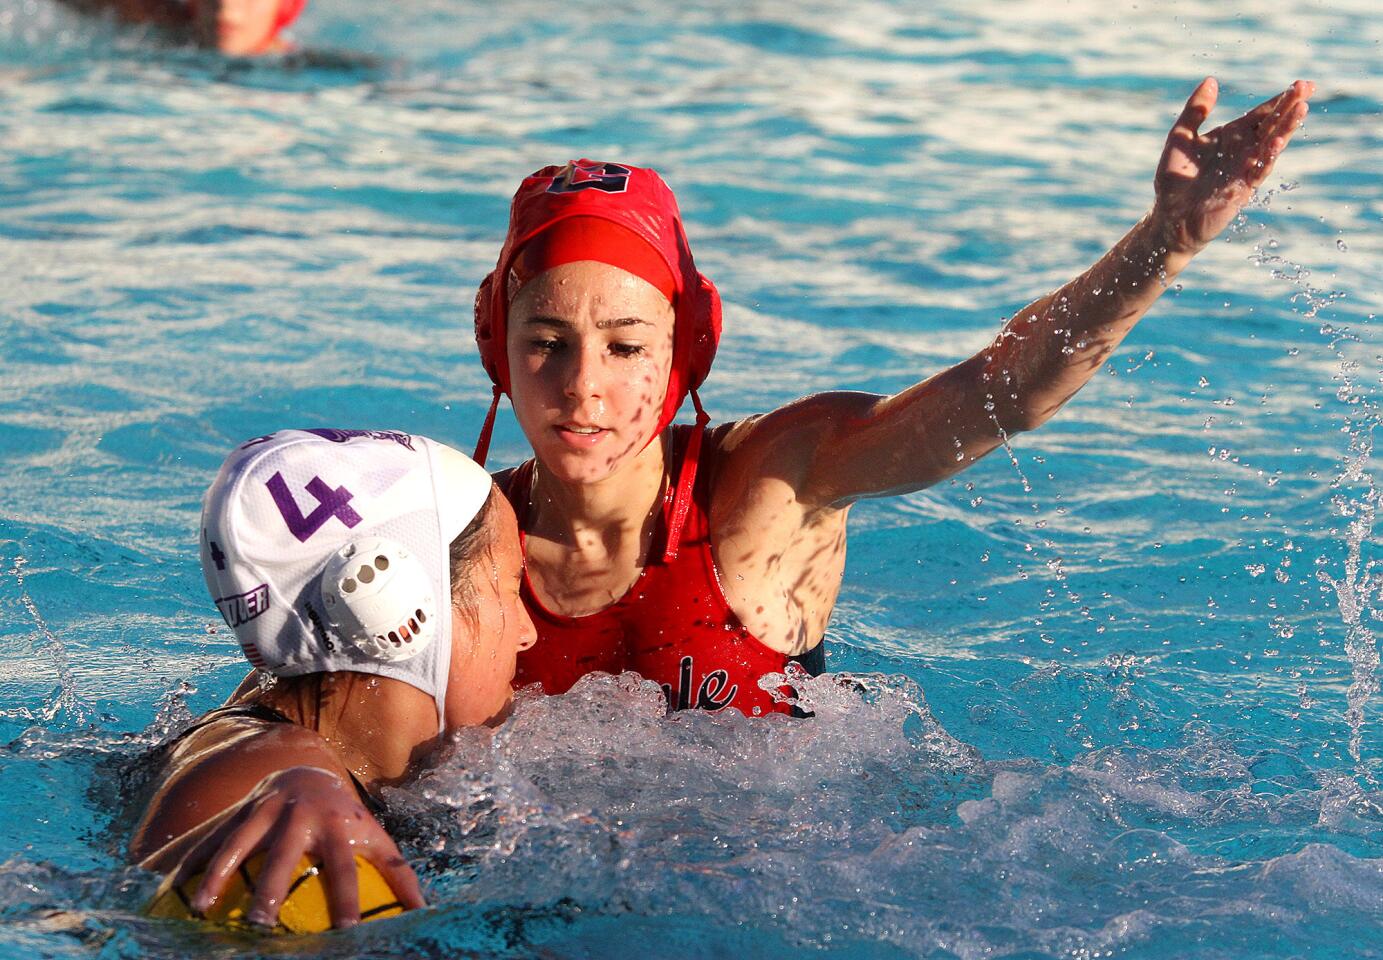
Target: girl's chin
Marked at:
566, 467
577, 466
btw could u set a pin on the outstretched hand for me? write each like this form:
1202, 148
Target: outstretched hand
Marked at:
1204, 179
302, 810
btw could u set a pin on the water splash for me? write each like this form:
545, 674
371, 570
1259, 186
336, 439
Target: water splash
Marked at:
1361, 580
171, 714
65, 698
1054, 562
1354, 591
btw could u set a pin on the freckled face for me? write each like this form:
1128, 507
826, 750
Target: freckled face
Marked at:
590, 348
238, 27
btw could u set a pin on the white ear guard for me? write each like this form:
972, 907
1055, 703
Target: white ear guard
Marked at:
380, 599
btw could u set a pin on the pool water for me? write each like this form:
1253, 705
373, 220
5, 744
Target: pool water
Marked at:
1113, 692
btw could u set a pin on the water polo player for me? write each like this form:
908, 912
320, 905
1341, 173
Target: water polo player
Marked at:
237, 28
374, 575
705, 558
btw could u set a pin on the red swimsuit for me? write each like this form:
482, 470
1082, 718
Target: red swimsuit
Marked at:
673, 626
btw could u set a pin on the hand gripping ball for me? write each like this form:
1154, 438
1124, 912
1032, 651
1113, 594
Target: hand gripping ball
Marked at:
304, 910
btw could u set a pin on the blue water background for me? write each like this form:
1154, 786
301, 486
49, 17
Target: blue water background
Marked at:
1117, 687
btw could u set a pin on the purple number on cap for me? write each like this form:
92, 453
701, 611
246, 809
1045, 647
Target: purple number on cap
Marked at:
330, 503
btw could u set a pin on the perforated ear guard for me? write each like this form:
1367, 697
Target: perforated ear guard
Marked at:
379, 598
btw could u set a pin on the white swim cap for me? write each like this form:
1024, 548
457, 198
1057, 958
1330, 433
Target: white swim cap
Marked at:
328, 550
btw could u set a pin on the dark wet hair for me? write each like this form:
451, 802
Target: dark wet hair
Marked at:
469, 546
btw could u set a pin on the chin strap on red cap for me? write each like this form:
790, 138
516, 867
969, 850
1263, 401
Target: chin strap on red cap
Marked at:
686, 477
482, 444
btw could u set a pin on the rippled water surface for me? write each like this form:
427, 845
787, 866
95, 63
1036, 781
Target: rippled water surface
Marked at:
1111, 693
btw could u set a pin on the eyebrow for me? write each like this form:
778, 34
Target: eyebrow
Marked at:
600, 325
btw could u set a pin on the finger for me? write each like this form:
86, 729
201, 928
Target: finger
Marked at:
195, 858
1261, 167
1302, 90
1256, 134
275, 877
385, 858
1262, 164
1283, 103
238, 845
216, 878
343, 886
1287, 124
1198, 107
1269, 108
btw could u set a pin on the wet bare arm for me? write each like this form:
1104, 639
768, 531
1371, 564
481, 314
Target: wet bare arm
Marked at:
213, 769
237, 787
834, 448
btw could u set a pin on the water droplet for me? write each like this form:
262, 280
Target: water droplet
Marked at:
1341, 246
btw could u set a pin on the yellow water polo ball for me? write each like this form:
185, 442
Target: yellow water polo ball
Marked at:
304, 910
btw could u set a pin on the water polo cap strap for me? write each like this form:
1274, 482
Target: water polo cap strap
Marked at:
482, 443
686, 479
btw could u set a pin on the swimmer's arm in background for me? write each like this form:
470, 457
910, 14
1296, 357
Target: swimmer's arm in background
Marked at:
234, 788
163, 13
834, 448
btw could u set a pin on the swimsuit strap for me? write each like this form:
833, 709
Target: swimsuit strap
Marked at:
264, 714
518, 487
676, 516
677, 497
239, 711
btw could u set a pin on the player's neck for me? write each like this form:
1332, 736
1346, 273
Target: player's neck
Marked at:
563, 510
379, 727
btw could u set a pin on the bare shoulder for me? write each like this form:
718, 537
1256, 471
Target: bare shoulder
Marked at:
780, 555
783, 448
216, 765
505, 480
207, 743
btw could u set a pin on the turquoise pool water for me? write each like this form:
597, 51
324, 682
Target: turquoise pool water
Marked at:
1117, 687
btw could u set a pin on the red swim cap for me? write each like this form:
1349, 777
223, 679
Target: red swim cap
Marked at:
638, 202
288, 11
590, 238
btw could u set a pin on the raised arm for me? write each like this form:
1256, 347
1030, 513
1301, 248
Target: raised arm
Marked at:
839, 447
